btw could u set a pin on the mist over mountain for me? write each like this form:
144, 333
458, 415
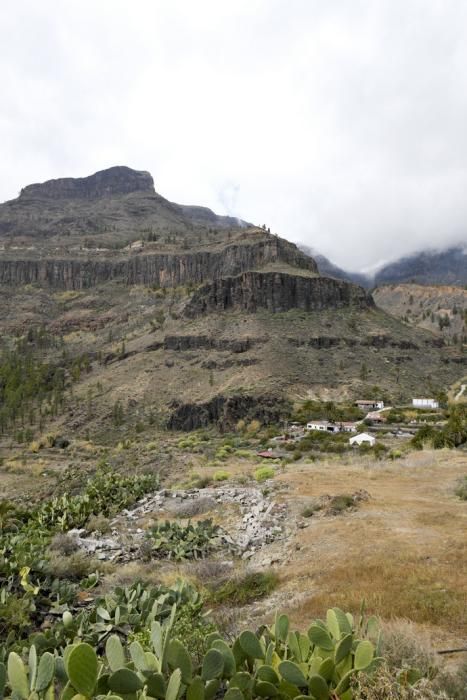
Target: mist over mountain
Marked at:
447, 266
430, 267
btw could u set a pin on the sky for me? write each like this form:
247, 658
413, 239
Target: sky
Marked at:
338, 124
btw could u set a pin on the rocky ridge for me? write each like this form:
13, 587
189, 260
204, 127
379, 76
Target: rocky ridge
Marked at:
105, 183
158, 269
276, 292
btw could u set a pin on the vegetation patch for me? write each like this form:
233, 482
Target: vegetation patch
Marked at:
461, 488
221, 475
245, 589
170, 540
264, 473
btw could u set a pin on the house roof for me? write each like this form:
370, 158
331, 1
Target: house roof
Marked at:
362, 435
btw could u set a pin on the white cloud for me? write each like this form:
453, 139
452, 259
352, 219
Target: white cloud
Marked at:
339, 124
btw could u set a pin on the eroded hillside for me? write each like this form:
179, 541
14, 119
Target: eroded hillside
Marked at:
172, 312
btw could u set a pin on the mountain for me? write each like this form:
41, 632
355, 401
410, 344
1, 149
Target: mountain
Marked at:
175, 313
328, 269
439, 309
446, 267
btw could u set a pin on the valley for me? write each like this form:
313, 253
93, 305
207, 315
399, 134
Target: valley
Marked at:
178, 392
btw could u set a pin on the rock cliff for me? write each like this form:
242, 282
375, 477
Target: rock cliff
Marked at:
275, 291
105, 183
226, 411
162, 270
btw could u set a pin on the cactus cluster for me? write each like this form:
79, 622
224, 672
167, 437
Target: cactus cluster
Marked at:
274, 663
24, 538
106, 493
170, 540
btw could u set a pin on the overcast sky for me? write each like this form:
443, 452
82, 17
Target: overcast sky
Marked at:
341, 124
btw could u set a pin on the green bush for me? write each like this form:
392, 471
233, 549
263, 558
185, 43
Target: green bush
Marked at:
221, 475
264, 473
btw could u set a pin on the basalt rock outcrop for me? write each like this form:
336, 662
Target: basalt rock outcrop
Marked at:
276, 291
208, 342
161, 270
226, 411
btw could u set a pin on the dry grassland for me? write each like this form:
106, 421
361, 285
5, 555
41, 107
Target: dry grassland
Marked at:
404, 551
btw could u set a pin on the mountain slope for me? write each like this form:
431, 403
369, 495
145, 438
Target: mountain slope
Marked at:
439, 309
190, 322
329, 269
448, 267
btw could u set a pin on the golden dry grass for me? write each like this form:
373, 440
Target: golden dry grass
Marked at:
404, 551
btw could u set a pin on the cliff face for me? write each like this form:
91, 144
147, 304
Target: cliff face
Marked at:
225, 412
276, 291
164, 270
105, 183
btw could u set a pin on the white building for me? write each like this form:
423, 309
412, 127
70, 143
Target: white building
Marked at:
323, 426
361, 439
369, 405
425, 403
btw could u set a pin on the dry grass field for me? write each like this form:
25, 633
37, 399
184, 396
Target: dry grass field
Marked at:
403, 552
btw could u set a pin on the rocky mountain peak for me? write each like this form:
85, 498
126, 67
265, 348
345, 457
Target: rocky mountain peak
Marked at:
105, 183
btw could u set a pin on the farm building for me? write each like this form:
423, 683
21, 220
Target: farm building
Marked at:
323, 426
362, 439
365, 405
425, 403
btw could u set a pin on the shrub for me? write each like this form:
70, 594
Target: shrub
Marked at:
221, 475
98, 523
310, 510
264, 473
198, 506
339, 504
403, 645
452, 683
253, 427
75, 566
63, 544
461, 488
245, 589
383, 685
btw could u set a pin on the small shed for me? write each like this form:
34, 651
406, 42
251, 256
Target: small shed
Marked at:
362, 439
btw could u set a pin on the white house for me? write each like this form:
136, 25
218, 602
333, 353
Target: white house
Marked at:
425, 403
323, 426
362, 438
369, 405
